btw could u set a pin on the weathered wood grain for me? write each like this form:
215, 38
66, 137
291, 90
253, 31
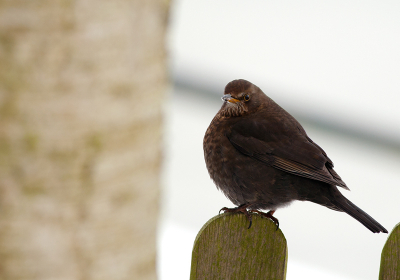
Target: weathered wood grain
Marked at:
225, 249
390, 258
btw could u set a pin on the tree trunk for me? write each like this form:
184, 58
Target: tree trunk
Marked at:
81, 90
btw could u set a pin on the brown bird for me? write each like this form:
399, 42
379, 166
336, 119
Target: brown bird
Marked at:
261, 158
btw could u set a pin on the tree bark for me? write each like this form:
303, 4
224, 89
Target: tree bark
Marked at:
81, 90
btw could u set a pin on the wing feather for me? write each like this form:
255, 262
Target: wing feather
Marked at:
297, 155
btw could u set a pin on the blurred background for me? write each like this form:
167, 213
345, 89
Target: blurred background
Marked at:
82, 85
103, 109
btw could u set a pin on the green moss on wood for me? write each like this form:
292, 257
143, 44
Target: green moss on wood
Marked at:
225, 249
5, 147
95, 142
31, 141
11, 74
390, 258
33, 189
9, 105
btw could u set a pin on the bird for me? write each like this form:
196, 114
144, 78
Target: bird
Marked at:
261, 158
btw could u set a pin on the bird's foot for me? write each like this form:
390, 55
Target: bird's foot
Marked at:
268, 215
240, 209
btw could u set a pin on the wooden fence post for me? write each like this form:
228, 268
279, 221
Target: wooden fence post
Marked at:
225, 249
390, 258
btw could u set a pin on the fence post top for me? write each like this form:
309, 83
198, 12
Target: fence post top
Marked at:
225, 248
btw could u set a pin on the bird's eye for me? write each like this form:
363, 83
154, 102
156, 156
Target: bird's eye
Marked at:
246, 97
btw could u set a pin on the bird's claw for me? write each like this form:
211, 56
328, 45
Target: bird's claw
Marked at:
225, 209
243, 209
269, 216
239, 209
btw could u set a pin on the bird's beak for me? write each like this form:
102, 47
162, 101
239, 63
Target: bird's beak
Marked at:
229, 98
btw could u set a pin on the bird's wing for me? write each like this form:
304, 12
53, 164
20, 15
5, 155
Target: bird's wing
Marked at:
294, 153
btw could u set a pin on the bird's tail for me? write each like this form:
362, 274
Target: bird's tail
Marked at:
350, 208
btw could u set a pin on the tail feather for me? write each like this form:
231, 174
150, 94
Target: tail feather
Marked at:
350, 208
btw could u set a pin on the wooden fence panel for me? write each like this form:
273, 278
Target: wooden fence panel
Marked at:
225, 249
390, 258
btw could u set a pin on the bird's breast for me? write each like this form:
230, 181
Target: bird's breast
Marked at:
218, 152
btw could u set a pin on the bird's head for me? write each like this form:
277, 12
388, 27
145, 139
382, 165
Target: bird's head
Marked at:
241, 97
